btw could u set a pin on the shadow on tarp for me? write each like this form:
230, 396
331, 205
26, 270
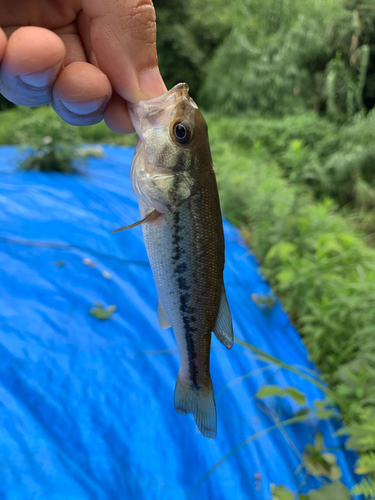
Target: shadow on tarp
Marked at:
86, 406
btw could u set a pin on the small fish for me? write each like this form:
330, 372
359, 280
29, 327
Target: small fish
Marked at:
173, 178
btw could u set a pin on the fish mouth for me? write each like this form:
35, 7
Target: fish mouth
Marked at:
152, 107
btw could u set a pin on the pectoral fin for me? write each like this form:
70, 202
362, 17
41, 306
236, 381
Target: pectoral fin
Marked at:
162, 317
223, 328
149, 218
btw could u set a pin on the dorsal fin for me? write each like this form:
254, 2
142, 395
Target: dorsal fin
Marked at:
223, 328
162, 317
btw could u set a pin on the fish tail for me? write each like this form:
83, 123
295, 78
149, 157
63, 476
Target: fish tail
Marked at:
199, 401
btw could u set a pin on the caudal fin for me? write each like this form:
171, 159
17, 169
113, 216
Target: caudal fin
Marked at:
200, 402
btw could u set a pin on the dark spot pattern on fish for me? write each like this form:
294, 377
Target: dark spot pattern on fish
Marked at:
171, 161
179, 164
180, 268
176, 238
184, 298
184, 307
173, 189
176, 255
182, 284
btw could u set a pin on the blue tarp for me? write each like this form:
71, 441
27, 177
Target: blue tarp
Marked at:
86, 405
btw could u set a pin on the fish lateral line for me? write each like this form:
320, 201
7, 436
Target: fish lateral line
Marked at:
149, 218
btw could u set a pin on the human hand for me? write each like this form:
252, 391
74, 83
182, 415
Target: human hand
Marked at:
84, 57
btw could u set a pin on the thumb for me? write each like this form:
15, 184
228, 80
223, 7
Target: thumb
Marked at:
123, 39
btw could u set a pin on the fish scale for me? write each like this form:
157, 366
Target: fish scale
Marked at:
181, 246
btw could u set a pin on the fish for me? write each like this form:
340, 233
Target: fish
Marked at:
173, 178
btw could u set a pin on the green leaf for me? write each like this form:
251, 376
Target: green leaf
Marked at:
335, 473
281, 493
303, 412
313, 467
323, 410
329, 458
269, 390
102, 312
366, 463
365, 470
321, 464
318, 442
366, 488
298, 396
285, 277
60, 263
283, 250
274, 390
334, 491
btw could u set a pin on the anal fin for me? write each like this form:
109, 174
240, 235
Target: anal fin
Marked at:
162, 317
223, 328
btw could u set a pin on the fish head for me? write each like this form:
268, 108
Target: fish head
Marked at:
172, 149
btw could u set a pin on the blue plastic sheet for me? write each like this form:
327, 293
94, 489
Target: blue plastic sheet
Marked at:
86, 406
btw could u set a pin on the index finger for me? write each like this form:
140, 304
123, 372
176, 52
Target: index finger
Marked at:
123, 38
3, 43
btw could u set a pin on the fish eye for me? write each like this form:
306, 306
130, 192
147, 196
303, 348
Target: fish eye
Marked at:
183, 132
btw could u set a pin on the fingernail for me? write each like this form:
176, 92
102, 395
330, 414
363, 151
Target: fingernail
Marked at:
42, 78
84, 107
151, 83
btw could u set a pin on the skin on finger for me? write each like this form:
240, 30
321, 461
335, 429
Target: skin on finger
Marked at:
75, 50
3, 43
83, 27
81, 94
30, 65
116, 116
123, 37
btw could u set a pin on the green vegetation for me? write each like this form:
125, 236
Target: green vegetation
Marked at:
274, 56
329, 492
102, 312
24, 126
48, 144
314, 255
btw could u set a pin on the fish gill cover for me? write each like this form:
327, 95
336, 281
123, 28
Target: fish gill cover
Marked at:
86, 403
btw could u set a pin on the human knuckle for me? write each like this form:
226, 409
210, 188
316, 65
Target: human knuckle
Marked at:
141, 21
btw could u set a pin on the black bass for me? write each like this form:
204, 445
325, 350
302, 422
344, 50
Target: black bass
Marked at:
173, 178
